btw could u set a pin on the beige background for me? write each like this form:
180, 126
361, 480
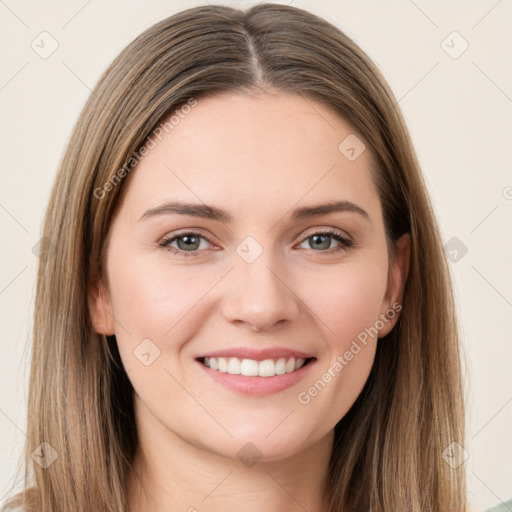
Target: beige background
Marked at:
459, 111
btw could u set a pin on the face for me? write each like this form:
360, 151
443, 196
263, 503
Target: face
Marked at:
254, 315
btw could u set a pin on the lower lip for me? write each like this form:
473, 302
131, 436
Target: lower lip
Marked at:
257, 386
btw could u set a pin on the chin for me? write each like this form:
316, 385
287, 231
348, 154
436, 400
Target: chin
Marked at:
280, 444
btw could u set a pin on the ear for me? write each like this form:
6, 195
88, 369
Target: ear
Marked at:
397, 276
100, 307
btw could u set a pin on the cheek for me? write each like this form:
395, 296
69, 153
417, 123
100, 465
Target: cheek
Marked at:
151, 300
156, 308
348, 301
348, 306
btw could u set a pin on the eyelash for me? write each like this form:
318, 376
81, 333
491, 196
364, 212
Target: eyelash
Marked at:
345, 243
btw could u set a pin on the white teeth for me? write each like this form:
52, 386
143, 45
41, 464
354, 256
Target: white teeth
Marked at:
234, 366
253, 368
249, 368
223, 364
281, 366
267, 368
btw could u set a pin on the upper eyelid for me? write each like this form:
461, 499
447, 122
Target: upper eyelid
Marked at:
327, 230
173, 236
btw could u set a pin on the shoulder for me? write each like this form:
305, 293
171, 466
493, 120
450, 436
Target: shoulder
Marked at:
502, 507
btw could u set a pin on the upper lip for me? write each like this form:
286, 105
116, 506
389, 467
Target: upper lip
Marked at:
257, 354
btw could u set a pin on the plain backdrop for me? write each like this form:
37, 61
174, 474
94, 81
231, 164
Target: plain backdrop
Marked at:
449, 66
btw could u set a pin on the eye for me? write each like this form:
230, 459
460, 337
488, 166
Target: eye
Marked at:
188, 243
321, 240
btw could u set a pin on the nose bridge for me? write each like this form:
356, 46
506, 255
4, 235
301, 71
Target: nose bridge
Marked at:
257, 294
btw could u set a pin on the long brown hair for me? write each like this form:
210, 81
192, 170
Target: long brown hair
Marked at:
388, 449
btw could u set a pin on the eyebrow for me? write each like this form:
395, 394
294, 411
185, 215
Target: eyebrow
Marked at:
213, 213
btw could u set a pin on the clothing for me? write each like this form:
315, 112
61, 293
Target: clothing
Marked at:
502, 507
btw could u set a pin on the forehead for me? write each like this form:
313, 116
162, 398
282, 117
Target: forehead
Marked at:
259, 151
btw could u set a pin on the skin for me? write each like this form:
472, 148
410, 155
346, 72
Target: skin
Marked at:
257, 156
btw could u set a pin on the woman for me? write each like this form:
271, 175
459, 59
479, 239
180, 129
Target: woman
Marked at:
192, 347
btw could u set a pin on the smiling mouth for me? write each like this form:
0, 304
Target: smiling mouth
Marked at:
254, 368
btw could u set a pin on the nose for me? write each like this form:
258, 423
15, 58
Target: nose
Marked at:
258, 295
